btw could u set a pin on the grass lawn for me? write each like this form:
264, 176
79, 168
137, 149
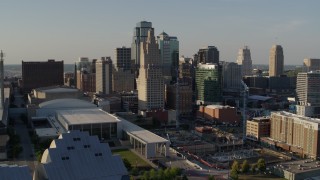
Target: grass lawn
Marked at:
259, 177
132, 158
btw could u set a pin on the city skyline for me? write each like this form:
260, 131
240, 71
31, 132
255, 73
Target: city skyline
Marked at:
60, 30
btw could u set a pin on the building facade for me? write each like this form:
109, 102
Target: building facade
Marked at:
140, 35
220, 114
298, 134
276, 61
150, 83
231, 76
85, 77
209, 54
169, 49
122, 80
258, 127
208, 83
41, 74
308, 94
104, 76
244, 59
311, 64
123, 58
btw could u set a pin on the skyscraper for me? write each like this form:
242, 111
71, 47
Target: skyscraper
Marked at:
231, 76
85, 75
104, 75
311, 64
150, 83
208, 54
276, 61
169, 48
123, 58
140, 34
208, 85
244, 59
308, 94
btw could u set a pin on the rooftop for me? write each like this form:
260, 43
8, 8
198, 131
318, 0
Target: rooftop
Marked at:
86, 116
218, 107
299, 166
309, 119
13, 172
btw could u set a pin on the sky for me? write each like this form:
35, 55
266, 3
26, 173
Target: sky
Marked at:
37, 30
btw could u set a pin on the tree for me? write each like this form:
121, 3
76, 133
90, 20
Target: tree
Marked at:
235, 166
234, 174
245, 166
160, 174
127, 164
261, 164
145, 175
211, 177
135, 171
152, 174
184, 177
253, 168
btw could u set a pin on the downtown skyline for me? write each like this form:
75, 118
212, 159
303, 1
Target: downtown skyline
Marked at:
37, 31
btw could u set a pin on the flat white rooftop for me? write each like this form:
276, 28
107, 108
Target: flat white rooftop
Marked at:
86, 116
59, 90
142, 134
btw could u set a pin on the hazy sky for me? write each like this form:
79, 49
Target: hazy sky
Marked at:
37, 30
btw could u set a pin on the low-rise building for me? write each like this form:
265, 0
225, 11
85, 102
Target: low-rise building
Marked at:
220, 114
258, 127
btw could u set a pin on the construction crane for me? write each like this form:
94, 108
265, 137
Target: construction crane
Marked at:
244, 94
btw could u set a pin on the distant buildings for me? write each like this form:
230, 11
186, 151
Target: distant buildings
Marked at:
85, 75
150, 82
104, 75
123, 58
76, 155
41, 74
209, 54
244, 59
169, 49
140, 35
208, 83
231, 77
308, 94
311, 64
295, 133
276, 61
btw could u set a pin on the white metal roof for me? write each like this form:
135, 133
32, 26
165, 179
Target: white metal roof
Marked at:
67, 103
59, 90
76, 155
140, 133
86, 116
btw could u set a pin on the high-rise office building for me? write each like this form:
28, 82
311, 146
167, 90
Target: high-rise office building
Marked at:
208, 83
311, 64
41, 74
122, 80
231, 76
169, 48
123, 58
104, 75
308, 94
150, 83
244, 59
276, 61
209, 54
140, 35
85, 77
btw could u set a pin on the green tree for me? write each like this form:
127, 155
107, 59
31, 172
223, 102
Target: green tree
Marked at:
127, 164
235, 166
153, 174
253, 168
245, 166
145, 175
261, 164
167, 174
175, 172
135, 171
211, 177
160, 174
234, 174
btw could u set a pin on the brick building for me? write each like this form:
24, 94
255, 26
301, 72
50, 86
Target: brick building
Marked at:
220, 114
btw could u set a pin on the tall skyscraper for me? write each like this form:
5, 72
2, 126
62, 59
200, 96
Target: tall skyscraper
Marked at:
104, 75
169, 48
208, 54
231, 76
276, 61
208, 83
244, 59
308, 94
140, 34
123, 58
311, 64
85, 76
1, 79
41, 74
150, 83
